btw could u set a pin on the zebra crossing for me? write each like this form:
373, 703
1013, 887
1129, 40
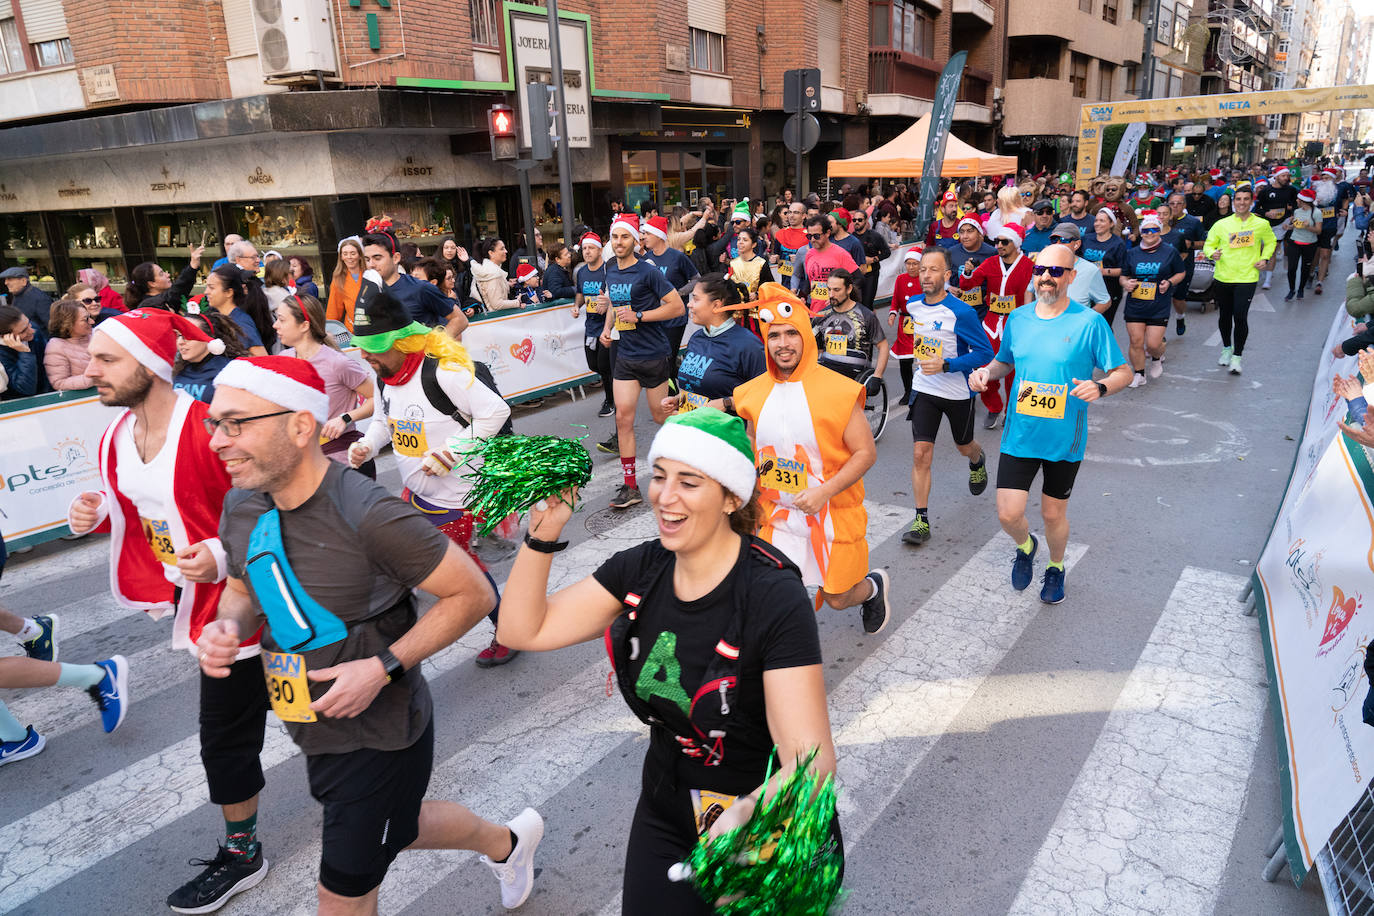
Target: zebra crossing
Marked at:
888, 712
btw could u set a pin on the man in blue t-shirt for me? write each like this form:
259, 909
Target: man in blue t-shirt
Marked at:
1038, 235
1053, 345
589, 279
639, 302
1186, 235
679, 270
423, 301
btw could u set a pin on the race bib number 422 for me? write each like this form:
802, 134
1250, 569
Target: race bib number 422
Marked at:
1041, 399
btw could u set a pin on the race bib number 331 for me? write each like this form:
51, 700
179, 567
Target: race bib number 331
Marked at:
784, 476
1041, 399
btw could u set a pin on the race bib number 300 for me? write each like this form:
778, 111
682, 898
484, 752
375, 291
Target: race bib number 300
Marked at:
784, 476
287, 687
408, 438
1041, 399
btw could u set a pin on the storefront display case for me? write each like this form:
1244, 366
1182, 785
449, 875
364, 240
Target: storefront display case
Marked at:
23, 243
420, 218
485, 223
173, 229
548, 212
284, 226
93, 241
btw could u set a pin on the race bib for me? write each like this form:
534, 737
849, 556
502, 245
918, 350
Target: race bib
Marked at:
287, 687
708, 806
1144, 291
1041, 399
1328, 212
408, 438
1244, 239
836, 345
1002, 305
1300, 224
908, 326
691, 401
593, 306
160, 539
622, 325
784, 476
820, 295
972, 297
928, 348
784, 268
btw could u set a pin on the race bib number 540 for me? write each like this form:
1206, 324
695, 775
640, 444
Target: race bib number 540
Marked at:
1041, 399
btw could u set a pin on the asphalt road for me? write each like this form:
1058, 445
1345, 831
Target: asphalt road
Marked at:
1112, 754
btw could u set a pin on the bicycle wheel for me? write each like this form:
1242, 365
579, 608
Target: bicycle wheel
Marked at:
876, 410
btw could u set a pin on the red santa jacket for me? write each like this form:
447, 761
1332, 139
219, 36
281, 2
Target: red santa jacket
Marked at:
998, 279
137, 578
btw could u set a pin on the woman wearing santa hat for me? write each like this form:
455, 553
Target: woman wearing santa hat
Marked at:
1300, 247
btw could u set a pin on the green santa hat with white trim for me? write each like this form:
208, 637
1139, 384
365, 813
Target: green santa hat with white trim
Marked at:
712, 442
741, 211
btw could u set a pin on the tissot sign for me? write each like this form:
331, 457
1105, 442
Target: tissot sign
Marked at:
529, 44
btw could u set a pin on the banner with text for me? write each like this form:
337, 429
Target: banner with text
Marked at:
531, 352
1310, 585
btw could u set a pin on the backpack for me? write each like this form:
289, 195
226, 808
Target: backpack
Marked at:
439, 399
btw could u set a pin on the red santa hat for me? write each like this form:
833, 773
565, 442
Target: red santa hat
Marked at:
1332, 172
150, 336
284, 380
657, 225
591, 237
1307, 196
1215, 174
1281, 170
627, 221
1014, 234
1149, 219
525, 272
969, 221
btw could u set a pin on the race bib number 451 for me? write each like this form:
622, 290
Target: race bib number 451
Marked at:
1041, 399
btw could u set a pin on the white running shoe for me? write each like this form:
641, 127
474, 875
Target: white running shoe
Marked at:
1235, 365
517, 872
1156, 367
1225, 358
1137, 380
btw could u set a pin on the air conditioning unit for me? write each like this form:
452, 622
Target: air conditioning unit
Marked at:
294, 37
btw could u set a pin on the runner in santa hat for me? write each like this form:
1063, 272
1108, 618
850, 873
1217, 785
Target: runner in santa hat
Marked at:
906, 287
1300, 246
161, 492
1219, 186
1328, 205
679, 270
1006, 281
589, 279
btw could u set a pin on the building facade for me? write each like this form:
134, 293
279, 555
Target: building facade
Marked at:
131, 128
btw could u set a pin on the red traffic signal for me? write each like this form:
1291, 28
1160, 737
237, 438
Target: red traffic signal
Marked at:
501, 121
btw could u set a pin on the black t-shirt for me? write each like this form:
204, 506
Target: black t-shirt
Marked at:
1272, 197
677, 641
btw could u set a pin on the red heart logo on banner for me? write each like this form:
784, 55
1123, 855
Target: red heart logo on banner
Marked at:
523, 351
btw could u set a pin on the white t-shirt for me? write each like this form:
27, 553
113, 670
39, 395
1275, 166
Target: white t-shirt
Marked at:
149, 487
995, 221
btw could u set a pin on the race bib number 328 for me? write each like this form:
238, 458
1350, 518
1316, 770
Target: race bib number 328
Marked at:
1041, 399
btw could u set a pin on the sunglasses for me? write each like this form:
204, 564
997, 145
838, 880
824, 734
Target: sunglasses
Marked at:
815, 235
1027, 194
1149, 232
1041, 269
90, 301
1002, 242
1061, 239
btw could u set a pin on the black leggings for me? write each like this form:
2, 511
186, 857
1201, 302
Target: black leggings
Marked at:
1307, 254
1233, 303
233, 714
599, 361
675, 335
1114, 291
907, 367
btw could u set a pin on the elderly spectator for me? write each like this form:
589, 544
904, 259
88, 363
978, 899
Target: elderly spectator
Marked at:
21, 354
65, 356
244, 255
230, 241
303, 275
26, 297
109, 298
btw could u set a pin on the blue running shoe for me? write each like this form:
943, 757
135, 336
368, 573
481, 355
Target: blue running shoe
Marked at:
1052, 585
32, 743
43, 646
1022, 567
112, 693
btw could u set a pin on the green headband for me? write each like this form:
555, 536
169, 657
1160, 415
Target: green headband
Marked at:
380, 343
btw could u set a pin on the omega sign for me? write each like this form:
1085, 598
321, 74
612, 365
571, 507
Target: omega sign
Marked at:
530, 41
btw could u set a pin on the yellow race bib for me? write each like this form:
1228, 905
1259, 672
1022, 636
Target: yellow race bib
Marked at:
972, 297
820, 295
287, 687
160, 539
691, 401
408, 438
928, 348
784, 476
1328, 212
1145, 291
784, 268
1244, 239
708, 806
1299, 224
836, 345
622, 325
1041, 399
908, 326
1002, 305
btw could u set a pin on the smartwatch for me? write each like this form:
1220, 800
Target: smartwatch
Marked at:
944, 367
392, 664
1101, 390
346, 418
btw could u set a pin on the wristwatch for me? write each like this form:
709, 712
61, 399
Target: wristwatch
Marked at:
1101, 390
346, 418
639, 316
392, 664
533, 543
944, 367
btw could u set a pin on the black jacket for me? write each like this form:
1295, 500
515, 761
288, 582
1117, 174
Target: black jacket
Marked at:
35, 303
173, 297
557, 283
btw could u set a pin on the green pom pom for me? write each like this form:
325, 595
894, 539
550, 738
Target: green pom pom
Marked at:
511, 473
784, 861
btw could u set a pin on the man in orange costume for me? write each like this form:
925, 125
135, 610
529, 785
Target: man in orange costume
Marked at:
812, 445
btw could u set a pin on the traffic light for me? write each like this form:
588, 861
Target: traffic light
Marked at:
540, 98
501, 126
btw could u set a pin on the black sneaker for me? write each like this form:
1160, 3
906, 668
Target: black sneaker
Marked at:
992, 420
918, 532
611, 446
626, 497
607, 409
978, 477
225, 875
875, 609
43, 646
1180, 326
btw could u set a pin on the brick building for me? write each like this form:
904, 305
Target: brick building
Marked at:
130, 127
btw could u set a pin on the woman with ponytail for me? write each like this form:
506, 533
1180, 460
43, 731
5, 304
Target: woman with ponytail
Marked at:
151, 287
722, 355
238, 296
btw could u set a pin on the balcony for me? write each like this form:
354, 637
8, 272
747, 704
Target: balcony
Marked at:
897, 73
976, 9
903, 85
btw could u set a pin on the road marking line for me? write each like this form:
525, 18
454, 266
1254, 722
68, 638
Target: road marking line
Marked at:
1149, 822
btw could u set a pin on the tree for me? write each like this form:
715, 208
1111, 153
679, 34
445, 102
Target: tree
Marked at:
1111, 140
1237, 133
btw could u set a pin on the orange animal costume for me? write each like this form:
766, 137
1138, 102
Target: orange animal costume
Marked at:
798, 429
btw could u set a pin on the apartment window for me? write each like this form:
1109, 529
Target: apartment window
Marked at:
707, 51
1106, 80
1109, 11
53, 53
11, 51
1078, 74
1138, 10
1029, 59
901, 25
1085, 5
1181, 13
486, 22
1164, 28
1132, 79
879, 31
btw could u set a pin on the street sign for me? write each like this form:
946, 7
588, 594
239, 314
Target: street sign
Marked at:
801, 133
802, 93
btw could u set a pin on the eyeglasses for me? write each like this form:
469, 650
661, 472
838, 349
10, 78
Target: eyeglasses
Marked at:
1149, 232
1038, 270
88, 301
1002, 242
814, 235
232, 426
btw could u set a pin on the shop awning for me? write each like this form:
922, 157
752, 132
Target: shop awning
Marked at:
903, 157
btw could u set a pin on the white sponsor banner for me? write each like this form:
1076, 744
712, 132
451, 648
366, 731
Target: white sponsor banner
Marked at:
1125, 151
1314, 585
531, 350
48, 454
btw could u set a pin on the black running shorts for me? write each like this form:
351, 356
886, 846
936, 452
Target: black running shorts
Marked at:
649, 373
926, 411
1016, 473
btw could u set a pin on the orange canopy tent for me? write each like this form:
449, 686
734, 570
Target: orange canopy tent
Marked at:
904, 156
